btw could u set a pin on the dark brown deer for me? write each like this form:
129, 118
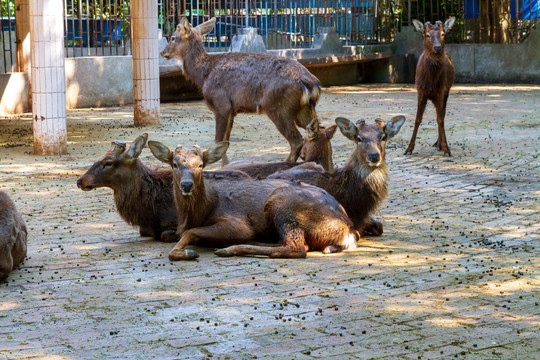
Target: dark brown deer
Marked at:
143, 196
225, 211
13, 236
434, 78
316, 148
361, 184
233, 83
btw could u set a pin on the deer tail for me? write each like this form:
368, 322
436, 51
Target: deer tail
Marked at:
310, 94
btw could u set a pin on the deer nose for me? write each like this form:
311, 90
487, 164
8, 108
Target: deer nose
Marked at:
187, 186
437, 48
374, 158
79, 183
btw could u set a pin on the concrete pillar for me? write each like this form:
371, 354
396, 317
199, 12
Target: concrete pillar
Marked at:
144, 34
22, 34
48, 77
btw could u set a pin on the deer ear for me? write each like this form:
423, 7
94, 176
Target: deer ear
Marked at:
347, 128
161, 152
418, 26
137, 146
313, 129
393, 126
448, 24
117, 147
215, 152
184, 28
206, 27
330, 131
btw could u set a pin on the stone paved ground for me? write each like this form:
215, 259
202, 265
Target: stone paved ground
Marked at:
454, 276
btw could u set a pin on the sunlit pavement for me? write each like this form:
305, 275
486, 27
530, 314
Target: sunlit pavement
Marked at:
455, 274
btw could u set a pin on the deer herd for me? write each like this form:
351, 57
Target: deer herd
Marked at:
280, 209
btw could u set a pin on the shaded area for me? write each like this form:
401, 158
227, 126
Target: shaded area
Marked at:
455, 274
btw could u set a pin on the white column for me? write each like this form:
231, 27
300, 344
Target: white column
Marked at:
48, 77
144, 35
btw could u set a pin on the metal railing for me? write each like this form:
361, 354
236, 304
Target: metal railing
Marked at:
97, 27
286, 23
8, 61
478, 21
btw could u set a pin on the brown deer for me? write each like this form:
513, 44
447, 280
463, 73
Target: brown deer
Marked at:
434, 78
143, 196
13, 236
361, 184
227, 211
233, 83
316, 148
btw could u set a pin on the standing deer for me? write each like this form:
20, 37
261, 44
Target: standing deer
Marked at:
225, 211
143, 196
361, 184
434, 78
12, 236
233, 83
316, 148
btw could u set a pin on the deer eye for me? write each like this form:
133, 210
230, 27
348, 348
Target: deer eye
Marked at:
200, 166
173, 38
175, 165
360, 139
108, 163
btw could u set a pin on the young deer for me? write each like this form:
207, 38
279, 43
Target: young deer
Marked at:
434, 78
224, 211
233, 83
12, 236
143, 196
361, 184
316, 148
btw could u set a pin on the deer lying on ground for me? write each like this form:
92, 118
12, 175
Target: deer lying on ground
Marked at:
434, 78
316, 148
233, 83
143, 196
12, 236
224, 211
361, 184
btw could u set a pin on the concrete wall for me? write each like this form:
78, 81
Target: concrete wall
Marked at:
99, 81
492, 63
15, 97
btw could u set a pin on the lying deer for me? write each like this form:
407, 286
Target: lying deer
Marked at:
434, 78
225, 211
316, 148
233, 83
143, 196
361, 184
12, 236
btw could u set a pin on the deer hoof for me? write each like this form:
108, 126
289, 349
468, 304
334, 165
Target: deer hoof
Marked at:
176, 255
222, 253
408, 152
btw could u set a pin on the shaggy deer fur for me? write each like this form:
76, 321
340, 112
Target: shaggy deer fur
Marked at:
434, 78
224, 212
361, 184
12, 236
143, 196
316, 148
233, 83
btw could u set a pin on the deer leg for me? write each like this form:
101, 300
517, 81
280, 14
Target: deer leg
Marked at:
287, 128
441, 113
373, 227
168, 236
224, 123
225, 231
422, 101
146, 231
6, 263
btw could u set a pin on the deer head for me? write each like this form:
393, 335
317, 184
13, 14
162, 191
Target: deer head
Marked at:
114, 167
184, 34
370, 139
188, 164
317, 146
434, 34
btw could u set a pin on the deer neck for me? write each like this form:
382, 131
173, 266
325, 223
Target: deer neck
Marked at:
127, 192
196, 63
193, 210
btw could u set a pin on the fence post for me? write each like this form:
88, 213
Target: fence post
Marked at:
49, 77
22, 35
144, 30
